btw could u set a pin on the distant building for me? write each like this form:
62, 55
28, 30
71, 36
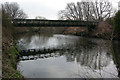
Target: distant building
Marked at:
119, 5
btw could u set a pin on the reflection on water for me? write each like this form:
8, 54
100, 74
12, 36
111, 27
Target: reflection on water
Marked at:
69, 57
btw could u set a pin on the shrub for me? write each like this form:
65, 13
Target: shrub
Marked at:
117, 22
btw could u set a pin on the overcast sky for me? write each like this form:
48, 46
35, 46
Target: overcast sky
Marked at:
46, 8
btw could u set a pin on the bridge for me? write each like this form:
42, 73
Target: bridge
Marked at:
53, 23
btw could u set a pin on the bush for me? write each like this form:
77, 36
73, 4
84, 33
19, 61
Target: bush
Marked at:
117, 22
6, 22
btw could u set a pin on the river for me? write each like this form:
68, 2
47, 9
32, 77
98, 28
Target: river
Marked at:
67, 56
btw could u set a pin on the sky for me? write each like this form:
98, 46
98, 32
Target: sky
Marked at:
46, 8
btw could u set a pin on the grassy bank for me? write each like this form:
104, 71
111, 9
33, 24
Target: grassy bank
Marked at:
9, 64
9, 52
9, 56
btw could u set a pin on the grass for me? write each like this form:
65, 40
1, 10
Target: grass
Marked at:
10, 64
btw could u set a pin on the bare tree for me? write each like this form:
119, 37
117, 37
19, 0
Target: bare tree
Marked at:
13, 10
97, 10
102, 10
39, 17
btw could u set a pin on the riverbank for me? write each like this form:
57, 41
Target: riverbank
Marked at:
9, 56
9, 64
103, 30
86, 35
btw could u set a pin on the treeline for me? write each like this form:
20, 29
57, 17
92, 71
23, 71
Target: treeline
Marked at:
101, 11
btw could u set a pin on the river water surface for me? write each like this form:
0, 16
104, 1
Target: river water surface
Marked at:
67, 56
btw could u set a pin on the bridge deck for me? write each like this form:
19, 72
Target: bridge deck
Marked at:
52, 23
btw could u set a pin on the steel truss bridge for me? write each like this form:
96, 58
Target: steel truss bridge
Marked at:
53, 23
